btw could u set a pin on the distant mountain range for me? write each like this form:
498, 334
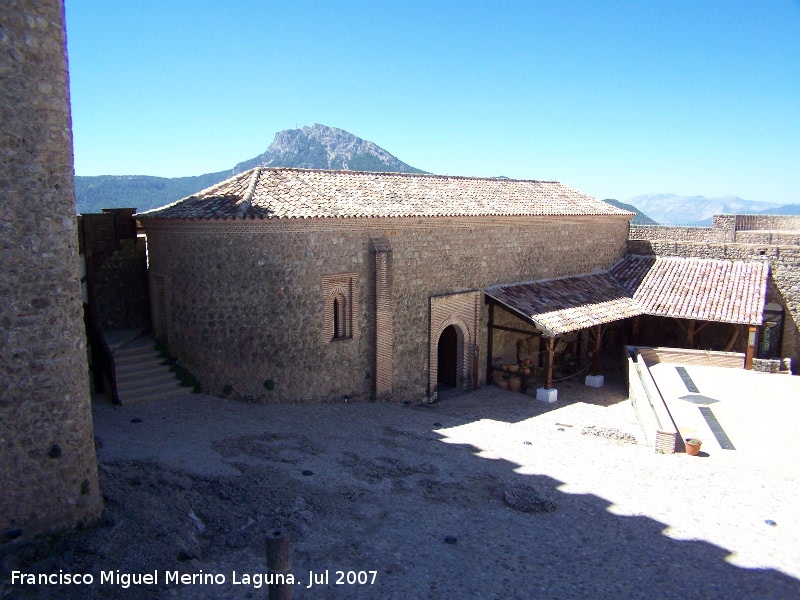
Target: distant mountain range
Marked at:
698, 210
322, 147
317, 147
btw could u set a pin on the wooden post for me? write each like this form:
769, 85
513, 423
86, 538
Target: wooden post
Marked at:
690, 334
751, 347
635, 331
475, 368
549, 382
279, 561
490, 335
596, 351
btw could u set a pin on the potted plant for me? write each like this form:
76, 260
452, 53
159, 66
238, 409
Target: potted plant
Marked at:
693, 446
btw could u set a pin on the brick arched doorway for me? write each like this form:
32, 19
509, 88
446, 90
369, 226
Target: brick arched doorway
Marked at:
447, 354
452, 337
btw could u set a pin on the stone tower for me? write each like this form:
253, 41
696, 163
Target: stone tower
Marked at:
48, 467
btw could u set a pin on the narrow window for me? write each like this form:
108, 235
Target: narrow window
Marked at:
340, 306
336, 320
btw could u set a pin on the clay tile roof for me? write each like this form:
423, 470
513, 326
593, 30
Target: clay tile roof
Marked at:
684, 288
282, 193
696, 288
558, 306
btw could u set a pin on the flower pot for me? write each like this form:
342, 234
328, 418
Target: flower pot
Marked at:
514, 384
692, 449
497, 376
513, 368
503, 384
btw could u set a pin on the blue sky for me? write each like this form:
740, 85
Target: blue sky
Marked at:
615, 99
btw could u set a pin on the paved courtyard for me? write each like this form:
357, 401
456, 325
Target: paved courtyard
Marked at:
758, 412
629, 521
420, 495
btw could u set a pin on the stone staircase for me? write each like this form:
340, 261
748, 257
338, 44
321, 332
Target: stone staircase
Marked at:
140, 374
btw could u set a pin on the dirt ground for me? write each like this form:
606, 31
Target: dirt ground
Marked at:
450, 500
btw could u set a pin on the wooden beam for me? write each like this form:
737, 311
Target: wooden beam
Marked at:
751, 347
515, 330
511, 311
679, 324
701, 327
635, 331
690, 334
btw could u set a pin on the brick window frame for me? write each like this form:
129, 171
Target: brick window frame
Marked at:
341, 298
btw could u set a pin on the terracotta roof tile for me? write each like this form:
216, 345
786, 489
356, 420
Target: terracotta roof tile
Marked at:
558, 306
267, 193
684, 288
696, 288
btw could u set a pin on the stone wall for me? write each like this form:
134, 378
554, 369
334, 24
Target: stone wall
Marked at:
247, 299
784, 223
680, 234
120, 286
116, 270
784, 285
770, 230
49, 471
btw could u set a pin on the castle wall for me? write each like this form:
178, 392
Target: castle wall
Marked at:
49, 471
247, 301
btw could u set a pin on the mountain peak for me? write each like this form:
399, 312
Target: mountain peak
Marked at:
322, 147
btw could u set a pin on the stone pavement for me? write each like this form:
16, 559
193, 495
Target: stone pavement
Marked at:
630, 522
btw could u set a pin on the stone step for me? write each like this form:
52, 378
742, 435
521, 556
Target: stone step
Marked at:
139, 350
140, 365
141, 376
140, 397
136, 361
135, 378
144, 387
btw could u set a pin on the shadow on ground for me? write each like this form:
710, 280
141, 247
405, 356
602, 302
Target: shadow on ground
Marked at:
365, 487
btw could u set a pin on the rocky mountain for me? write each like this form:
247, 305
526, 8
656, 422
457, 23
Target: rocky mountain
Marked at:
317, 147
322, 147
697, 210
639, 219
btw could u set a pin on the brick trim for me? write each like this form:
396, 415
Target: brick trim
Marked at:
384, 319
382, 224
341, 286
461, 310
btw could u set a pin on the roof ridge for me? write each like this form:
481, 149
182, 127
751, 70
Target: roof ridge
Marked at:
548, 279
405, 174
278, 192
244, 204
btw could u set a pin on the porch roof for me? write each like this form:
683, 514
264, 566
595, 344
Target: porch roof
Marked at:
558, 306
683, 288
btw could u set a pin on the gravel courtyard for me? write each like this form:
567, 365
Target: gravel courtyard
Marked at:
432, 498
